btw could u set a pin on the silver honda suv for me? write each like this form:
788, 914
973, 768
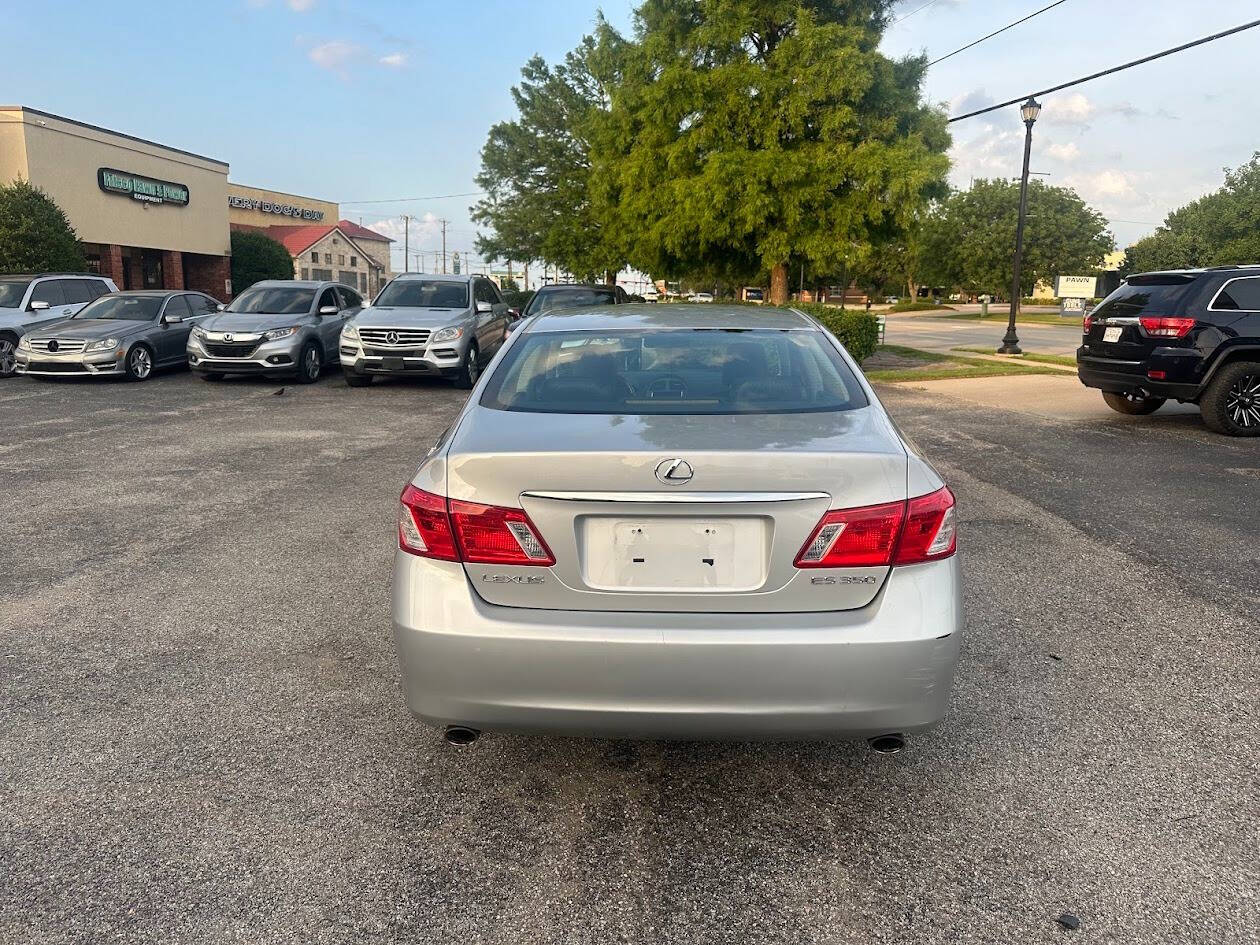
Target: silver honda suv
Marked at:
437, 325
274, 327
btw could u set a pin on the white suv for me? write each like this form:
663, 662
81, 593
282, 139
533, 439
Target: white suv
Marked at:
28, 301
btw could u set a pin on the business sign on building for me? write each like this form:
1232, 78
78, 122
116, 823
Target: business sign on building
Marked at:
1076, 287
144, 189
279, 209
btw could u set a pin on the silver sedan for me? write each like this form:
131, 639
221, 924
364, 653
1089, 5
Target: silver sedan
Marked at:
678, 523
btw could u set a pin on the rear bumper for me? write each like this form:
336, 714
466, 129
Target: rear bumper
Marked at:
888, 667
1181, 368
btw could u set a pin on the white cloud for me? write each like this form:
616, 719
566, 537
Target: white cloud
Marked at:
1074, 109
1063, 152
970, 102
336, 56
300, 6
394, 60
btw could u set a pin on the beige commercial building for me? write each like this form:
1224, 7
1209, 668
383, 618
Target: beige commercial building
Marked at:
254, 207
148, 215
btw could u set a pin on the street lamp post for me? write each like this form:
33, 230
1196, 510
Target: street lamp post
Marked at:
1010, 343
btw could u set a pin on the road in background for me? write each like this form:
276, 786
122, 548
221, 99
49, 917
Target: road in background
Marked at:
204, 738
931, 332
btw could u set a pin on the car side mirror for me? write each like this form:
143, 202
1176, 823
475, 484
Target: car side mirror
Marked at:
484, 307
172, 319
220, 307
514, 313
39, 306
328, 310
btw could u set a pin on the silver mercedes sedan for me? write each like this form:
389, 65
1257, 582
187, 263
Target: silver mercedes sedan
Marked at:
672, 522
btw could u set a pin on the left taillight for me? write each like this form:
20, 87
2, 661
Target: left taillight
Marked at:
424, 528
1163, 326
431, 526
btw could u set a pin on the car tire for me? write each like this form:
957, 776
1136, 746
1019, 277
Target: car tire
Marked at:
139, 363
470, 370
212, 376
8, 354
355, 379
1231, 403
1131, 404
310, 363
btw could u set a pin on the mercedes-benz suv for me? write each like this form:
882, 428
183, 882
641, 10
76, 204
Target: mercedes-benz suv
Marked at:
1191, 335
437, 325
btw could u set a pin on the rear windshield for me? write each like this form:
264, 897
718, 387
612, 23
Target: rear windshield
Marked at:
687, 371
1161, 295
11, 292
548, 300
424, 293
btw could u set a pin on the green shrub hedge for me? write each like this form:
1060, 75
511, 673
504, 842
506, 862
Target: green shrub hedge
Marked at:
856, 330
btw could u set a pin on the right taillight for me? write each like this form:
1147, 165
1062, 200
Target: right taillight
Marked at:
921, 529
1164, 326
432, 526
929, 532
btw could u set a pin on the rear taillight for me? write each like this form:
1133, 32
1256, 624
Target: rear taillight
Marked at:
1163, 326
1087, 323
424, 528
930, 532
431, 526
488, 534
879, 535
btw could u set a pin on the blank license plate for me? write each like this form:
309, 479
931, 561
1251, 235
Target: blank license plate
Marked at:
1112, 334
393, 364
674, 554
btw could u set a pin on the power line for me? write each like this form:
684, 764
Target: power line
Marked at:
996, 32
1098, 75
911, 13
348, 203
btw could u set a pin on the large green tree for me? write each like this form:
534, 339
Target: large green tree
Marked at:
969, 240
35, 235
536, 169
255, 257
751, 137
1218, 229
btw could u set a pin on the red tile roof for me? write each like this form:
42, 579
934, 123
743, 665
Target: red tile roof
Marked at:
297, 239
354, 231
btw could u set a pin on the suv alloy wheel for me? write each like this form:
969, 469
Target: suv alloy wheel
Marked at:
1231, 403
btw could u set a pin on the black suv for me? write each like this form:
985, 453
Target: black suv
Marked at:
1191, 335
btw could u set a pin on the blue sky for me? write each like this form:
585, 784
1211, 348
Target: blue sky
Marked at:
357, 101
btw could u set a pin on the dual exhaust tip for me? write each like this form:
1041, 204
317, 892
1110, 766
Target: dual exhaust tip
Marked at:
462, 736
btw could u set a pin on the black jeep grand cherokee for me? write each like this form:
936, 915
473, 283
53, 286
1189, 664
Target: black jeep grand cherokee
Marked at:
1191, 335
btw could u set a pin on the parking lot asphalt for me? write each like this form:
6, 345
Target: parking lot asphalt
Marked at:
203, 737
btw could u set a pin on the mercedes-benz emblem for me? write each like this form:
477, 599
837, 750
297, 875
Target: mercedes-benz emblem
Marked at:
674, 472
391, 337
227, 336
54, 345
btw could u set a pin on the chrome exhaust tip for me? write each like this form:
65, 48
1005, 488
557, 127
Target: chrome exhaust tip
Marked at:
887, 744
460, 735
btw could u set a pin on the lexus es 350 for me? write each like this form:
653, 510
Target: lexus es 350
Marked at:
677, 523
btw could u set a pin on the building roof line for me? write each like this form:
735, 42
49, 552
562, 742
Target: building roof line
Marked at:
109, 131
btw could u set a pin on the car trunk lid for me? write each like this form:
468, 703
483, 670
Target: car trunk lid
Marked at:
657, 513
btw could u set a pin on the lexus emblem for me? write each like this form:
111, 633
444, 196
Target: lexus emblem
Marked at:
227, 336
53, 345
391, 337
674, 472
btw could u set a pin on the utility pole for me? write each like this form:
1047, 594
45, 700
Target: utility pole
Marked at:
406, 242
443, 222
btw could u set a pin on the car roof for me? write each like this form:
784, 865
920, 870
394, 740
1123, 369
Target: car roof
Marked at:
437, 276
575, 285
45, 275
639, 316
156, 292
291, 284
